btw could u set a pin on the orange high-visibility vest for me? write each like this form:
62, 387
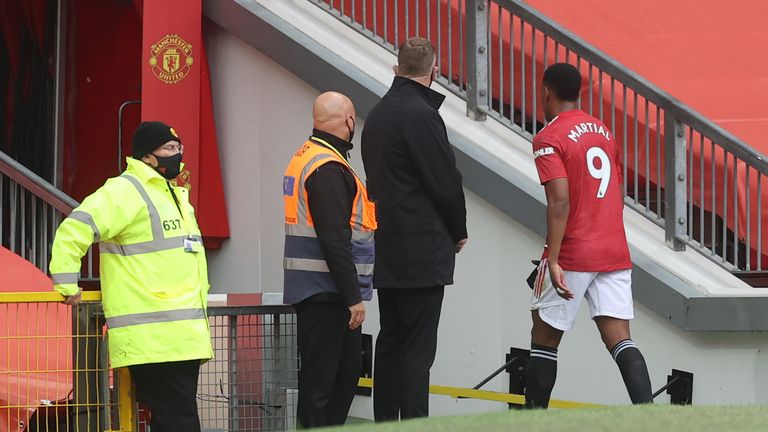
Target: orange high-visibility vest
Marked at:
306, 271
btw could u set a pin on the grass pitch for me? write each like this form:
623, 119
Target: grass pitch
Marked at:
654, 418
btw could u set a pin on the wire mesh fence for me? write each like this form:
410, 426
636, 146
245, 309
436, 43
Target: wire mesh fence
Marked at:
54, 373
55, 376
252, 382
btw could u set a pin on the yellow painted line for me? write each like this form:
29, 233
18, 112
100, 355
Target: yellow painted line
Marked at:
460, 392
570, 404
44, 297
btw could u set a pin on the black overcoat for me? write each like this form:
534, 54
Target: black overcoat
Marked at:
412, 177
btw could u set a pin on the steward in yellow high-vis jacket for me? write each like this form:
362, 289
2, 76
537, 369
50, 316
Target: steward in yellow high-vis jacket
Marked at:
154, 276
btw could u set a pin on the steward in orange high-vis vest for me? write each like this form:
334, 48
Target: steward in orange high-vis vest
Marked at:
306, 272
329, 257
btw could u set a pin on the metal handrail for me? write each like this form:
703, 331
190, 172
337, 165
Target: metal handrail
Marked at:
36, 184
35, 211
642, 86
690, 177
250, 310
683, 217
120, 113
621, 73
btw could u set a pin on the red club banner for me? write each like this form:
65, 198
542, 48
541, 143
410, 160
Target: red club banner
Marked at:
176, 90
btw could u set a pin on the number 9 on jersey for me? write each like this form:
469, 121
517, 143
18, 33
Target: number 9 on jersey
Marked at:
603, 173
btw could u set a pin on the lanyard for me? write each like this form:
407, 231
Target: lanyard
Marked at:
175, 200
184, 220
325, 143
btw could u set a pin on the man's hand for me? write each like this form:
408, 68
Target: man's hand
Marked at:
557, 276
74, 299
460, 245
356, 315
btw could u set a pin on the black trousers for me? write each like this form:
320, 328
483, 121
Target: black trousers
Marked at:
331, 363
169, 390
405, 351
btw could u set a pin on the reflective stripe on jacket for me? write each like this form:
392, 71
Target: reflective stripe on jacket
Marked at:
153, 291
306, 271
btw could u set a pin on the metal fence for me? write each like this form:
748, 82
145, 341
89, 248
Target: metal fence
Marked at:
390, 22
682, 171
54, 373
31, 210
252, 382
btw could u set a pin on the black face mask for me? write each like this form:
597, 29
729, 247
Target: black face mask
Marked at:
168, 166
351, 131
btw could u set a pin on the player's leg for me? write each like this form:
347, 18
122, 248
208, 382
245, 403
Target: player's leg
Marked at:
542, 366
615, 334
552, 316
610, 303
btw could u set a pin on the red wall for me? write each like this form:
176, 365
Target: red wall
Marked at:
103, 71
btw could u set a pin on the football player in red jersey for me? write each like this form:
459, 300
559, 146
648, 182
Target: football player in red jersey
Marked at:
586, 254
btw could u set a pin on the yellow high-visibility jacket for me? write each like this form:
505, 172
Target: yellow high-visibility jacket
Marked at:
154, 276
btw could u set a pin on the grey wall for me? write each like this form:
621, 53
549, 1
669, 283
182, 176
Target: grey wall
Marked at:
263, 113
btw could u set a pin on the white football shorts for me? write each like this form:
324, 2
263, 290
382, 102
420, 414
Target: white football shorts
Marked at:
608, 294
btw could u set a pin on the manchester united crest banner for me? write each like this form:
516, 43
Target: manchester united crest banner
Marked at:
170, 78
175, 89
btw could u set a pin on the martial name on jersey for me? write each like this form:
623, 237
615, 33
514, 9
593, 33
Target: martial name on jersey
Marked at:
580, 129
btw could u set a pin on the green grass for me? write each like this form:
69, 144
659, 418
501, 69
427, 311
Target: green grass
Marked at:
654, 418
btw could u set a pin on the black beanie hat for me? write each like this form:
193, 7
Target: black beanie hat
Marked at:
151, 135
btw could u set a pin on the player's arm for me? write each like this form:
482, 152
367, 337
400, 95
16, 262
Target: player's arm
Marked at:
558, 208
547, 155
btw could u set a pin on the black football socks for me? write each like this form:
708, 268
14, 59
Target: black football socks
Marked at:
633, 370
540, 377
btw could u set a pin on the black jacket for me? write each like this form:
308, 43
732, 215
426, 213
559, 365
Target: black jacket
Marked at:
331, 191
413, 179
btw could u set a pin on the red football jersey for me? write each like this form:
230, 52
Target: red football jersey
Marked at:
580, 148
